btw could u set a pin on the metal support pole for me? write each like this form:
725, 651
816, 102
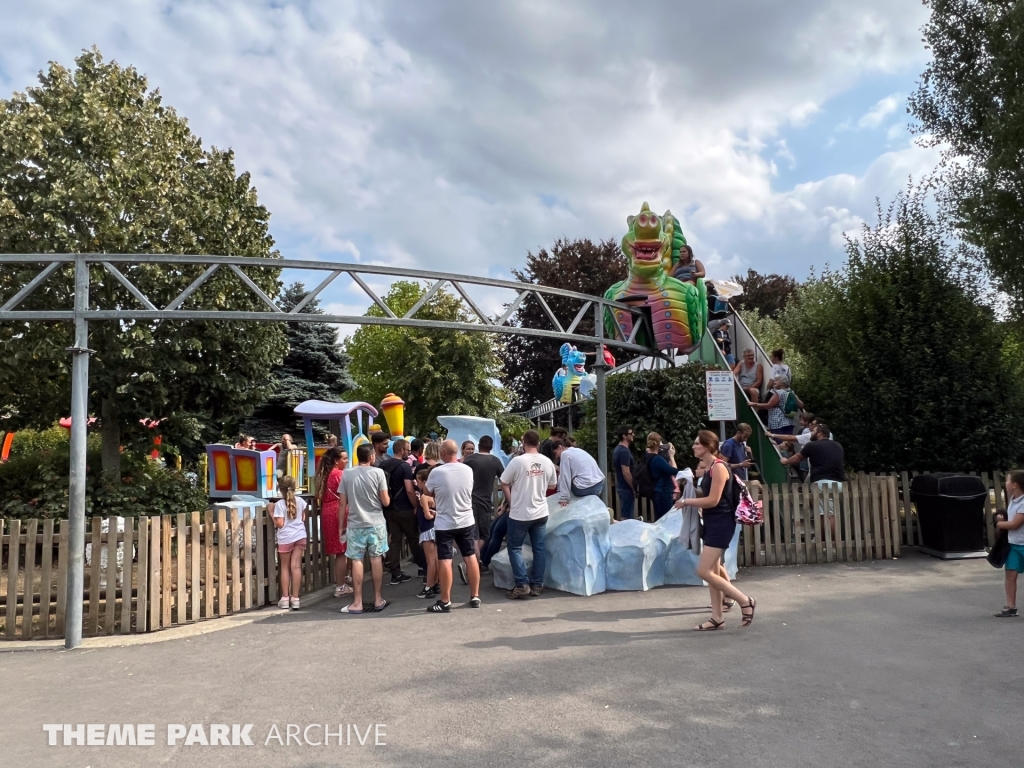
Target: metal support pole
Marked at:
602, 416
76, 491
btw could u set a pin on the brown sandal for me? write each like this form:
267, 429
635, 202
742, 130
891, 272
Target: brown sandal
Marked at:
726, 605
748, 618
714, 625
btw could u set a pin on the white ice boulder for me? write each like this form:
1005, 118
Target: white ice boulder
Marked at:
636, 556
680, 561
576, 542
577, 545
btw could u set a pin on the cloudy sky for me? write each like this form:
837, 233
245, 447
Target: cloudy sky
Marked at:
457, 135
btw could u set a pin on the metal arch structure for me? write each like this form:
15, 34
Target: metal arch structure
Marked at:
177, 309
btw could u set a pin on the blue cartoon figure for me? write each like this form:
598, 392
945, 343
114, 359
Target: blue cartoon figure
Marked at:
569, 375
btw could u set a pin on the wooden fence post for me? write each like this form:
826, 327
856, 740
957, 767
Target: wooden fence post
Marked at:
13, 561
46, 564
142, 608
155, 574
31, 531
127, 580
93, 614
181, 564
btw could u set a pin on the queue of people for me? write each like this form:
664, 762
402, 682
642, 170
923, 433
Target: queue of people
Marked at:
444, 495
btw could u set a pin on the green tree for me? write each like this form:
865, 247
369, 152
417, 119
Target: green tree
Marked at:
436, 371
669, 401
315, 368
764, 294
970, 101
903, 358
92, 161
573, 265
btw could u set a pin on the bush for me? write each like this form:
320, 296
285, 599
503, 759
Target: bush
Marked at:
671, 402
904, 358
36, 485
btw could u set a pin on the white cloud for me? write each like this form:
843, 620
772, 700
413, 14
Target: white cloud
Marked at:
885, 107
437, 135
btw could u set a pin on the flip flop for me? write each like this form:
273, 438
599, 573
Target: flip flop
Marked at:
381, 607
348, 609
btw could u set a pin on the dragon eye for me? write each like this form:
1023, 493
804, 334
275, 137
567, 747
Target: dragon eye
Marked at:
643, 219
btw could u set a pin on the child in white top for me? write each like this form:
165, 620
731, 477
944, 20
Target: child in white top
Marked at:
289, 515
1013, 524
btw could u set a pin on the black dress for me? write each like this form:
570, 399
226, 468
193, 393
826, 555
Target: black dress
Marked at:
720, 520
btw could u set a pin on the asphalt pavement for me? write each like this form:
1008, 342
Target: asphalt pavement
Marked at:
895, 663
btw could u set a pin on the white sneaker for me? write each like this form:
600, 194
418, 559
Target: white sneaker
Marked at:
295, 604
283, 603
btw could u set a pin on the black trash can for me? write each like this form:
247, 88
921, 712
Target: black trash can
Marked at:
951, 510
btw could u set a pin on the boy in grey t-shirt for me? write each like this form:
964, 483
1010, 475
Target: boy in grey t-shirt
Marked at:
364, 491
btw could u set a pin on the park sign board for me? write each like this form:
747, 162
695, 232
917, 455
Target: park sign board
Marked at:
721, 394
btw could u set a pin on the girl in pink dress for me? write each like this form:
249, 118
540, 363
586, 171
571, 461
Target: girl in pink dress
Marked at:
333, 521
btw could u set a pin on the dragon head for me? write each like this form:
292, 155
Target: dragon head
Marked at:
648, 243
573, 360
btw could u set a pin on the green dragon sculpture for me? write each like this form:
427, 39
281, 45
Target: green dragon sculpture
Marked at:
679, 310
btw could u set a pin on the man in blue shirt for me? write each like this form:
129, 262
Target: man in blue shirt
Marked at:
624, 464
735, 451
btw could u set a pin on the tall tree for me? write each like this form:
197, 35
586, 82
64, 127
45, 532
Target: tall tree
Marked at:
901, 356
92, 161
970, 101
315, 368
573, 265
765, 294
436, 371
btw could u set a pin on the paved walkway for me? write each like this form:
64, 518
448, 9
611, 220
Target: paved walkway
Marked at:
894, 663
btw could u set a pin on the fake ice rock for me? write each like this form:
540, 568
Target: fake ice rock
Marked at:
576, 544
636, 556
681, 562
462, 428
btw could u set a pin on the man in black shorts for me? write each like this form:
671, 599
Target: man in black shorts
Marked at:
451, 485
486, 469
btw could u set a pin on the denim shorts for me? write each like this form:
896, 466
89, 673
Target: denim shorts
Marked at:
363, 541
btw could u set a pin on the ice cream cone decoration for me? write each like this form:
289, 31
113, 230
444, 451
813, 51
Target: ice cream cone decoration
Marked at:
393, 408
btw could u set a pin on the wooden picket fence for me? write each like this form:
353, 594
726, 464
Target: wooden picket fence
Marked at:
874, 518
177, 569
796, 530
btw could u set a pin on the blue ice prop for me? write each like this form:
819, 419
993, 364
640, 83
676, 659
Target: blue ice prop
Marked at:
576, 543
636, 557
586, 555
463, 428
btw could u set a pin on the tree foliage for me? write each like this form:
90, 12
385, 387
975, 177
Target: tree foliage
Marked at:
903, 359
92, 161
435, 371
970, 100
764, 294
573, 265
315, 368
669, 401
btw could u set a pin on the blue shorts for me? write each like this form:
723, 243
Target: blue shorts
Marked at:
1015, 558
363, 541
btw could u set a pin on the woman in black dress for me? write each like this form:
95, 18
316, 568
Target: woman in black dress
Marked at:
719, 514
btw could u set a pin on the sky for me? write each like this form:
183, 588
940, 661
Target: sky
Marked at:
459, 136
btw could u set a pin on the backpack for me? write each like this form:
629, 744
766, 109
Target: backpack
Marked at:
643, 482
790, 407
396, 484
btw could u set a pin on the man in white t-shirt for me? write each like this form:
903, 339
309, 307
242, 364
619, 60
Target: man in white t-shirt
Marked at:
525, 482
451, 485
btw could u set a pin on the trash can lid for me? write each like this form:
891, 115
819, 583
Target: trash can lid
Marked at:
948, 484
